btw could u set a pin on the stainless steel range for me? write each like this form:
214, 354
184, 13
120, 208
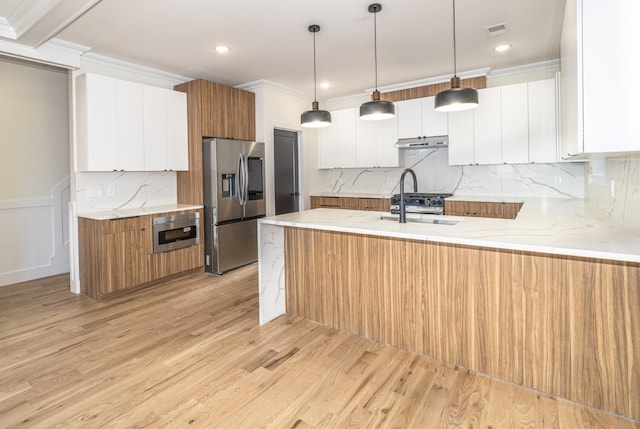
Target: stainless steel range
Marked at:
419, 202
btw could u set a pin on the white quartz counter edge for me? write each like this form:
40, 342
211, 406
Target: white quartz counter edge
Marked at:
140, 211
562, 233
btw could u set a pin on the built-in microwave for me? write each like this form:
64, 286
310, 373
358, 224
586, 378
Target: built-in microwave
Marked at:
176, 232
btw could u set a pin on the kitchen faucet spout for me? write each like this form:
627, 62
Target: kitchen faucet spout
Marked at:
403, 212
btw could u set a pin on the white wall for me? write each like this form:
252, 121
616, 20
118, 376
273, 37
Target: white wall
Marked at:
279, 107
34, 170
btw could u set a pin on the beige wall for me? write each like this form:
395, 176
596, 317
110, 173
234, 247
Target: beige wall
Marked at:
34, 129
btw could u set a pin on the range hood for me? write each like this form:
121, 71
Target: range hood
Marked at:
433, 142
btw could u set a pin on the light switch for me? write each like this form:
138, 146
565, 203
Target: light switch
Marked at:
94, 191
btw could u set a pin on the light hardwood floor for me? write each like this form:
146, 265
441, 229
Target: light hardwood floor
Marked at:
190, 353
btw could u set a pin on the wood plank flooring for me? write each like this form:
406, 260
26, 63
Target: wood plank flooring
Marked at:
190, 353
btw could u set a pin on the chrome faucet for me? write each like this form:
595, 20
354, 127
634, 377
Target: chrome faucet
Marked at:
403, 213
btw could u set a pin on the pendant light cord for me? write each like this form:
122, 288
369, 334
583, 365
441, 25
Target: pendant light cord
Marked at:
375, 48
455, 68
315, 95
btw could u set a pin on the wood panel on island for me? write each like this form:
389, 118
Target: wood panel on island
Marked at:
213, 110
501, 210
572, 322
351, 203
116, 255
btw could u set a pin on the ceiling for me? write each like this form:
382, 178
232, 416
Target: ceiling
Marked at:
269, 39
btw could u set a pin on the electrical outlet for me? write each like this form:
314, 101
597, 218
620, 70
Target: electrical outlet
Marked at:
557, 180
94, 191
111, 190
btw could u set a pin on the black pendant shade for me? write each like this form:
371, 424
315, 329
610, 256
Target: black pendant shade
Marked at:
456, 98
315, 118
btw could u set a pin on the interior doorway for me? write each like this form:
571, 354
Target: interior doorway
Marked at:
287, 191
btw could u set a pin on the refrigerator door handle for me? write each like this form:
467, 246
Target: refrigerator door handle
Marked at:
240, 180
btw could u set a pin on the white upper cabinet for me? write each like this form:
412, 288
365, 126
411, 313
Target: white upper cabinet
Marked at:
598, 39
126, 126
130, 147
487, 123
513, 124
543, 115
461, 144
353, 143
375, 143
337, 143
97, 123
418, 118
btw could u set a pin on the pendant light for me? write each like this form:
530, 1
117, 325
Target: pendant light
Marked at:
376, 109
456, 98
315, 118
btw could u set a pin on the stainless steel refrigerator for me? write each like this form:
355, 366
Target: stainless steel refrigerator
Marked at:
233, 201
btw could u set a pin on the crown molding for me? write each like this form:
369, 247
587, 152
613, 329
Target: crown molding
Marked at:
6, 30
135, 68
56, 52
542, 65
264, 83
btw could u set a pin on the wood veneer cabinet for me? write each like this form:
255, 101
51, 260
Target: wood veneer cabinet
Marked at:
351, 203
482, 209
117, 254
213, 110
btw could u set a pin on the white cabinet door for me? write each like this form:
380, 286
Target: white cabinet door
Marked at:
130, 126
328, 145
177, 131
386, 132
433, 123
366, 143
515, 124
543, 142
337, 143
597, 38
409, 114
155, 128
611, 112
487, 125
376, 143
97, 123
461, 143
347, 152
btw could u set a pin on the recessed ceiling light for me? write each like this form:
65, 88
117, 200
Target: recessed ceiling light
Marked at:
222, 49
325, 85
502, 48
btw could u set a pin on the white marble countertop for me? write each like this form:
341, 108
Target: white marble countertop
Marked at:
546, 225
140, 211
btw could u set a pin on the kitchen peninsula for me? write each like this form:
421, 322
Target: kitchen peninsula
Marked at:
549, 300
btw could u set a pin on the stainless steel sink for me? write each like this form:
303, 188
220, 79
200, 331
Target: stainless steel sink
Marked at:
422, 220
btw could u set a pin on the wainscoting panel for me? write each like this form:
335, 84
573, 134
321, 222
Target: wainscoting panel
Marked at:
35, 237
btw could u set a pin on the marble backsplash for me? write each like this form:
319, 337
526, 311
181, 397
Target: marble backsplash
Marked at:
120, 190
614, 188
564, 180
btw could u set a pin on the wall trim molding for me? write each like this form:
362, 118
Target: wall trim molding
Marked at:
56, 52
58, 262
542, 65
136, 68
264, 83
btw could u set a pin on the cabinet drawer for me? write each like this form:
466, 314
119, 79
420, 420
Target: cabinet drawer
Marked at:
482, 209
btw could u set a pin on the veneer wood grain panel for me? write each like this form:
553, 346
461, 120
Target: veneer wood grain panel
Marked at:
351, 203
479, 82
482, 209
564, 325
213, 110
189, 183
